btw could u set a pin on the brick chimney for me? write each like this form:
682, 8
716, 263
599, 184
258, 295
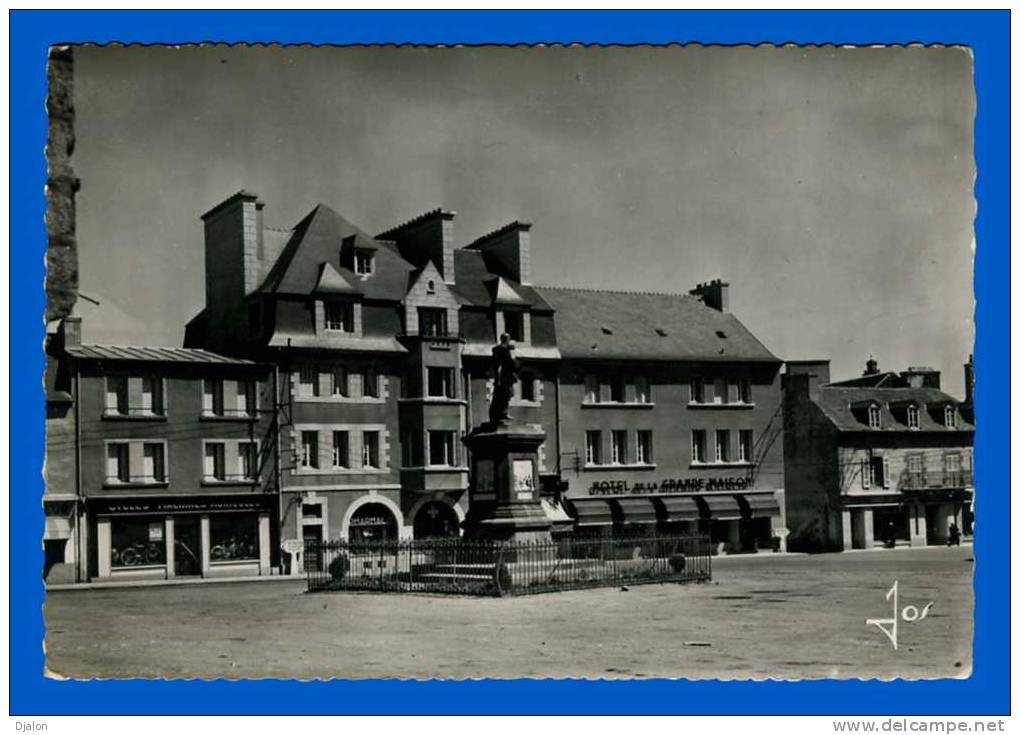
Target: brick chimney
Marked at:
807, 376
968, 381
233, 251
714, 294
427, 237
922, 377
507, 251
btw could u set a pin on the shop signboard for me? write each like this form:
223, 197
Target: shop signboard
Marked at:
524, 479
671, 486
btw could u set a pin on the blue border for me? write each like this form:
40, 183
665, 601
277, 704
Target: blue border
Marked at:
986, 692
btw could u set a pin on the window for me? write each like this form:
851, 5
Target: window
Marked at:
308, 381
233, 537
527, 384
721, 391
137, 542
440, 382
246, 401
363, 262
215, 461
953, 470
338, 380
915, 469
593, 447
744, 390
722, 446
117, 462
247, 460
513, 324
698, 445
310, 449
745, 448
644, 447
370, 449
617, 389
618, 446
370, 383
341, 449
591, 389
153, 463
117, 394
913, 418
339, 316
949, 417
641, 391
431, 322
697, 390
441, 448
212, 397
152, 396
874, 417
873, 473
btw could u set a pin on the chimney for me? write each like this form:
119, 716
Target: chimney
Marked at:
70, 331
427, 237
871, 366
968, 381
507, 251
233, 249
807, 375
922, 377
714, 294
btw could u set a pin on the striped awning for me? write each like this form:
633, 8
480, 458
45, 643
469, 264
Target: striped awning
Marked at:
722, 507
762, 505
57, 528
680, 508
637, 510
592, 512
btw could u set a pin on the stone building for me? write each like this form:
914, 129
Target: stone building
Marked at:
884, 458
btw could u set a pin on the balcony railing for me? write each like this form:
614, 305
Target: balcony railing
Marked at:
935, 479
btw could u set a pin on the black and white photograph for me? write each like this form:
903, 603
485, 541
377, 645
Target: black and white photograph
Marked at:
510, 362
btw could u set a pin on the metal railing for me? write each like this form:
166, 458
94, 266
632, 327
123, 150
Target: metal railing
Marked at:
927, 479
477, 567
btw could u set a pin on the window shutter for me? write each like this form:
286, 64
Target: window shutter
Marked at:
885, 472
865, 473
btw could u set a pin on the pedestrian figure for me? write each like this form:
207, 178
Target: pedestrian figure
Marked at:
954, 535
890, 535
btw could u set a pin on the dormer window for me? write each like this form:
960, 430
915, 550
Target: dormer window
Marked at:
513, 324
913, 417
432, 322
949, 417
874, 417
363, 264
339, 316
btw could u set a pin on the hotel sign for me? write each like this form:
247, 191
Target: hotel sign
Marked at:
671, 486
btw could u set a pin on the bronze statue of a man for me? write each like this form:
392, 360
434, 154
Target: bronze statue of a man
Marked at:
506, 367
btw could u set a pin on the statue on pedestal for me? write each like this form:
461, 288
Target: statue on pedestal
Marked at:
506, 367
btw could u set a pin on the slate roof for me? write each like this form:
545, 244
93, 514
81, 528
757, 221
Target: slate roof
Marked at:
875, 380
316, 240
631, 325
475, 282
152, 354
835, 402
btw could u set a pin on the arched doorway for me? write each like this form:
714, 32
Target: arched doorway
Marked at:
372, 522
436, 519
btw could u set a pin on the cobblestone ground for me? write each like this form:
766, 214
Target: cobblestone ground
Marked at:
774, 616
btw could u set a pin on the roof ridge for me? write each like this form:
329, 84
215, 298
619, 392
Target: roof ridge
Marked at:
498, 231
614, 291
413, 221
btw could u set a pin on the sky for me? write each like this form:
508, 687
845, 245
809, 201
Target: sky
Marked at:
831, 187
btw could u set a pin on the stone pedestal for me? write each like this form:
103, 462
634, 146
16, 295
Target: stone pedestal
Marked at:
504, 502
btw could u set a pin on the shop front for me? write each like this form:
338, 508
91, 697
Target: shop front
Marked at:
167, 538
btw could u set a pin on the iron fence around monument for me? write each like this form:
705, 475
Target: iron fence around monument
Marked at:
480, 567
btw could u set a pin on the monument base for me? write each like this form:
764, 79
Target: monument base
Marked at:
504, 502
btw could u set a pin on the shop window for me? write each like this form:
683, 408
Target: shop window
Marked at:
308, 381
233, 537
722, 446
215, 461
698, 446
152, 396
618, 446
513, 324
697, 390
745, 447
644, 447
363, 262
372, 522
341, 449
441, 382
913, 417
117, 395
874, 417
441, 449
310, 449
617, 389
744, 390
593, 447
949, 417
339, 316
370, 449
137, 542
432, 322
591, 389
338, 381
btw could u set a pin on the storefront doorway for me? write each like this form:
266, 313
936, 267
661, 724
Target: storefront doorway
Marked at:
891, 526
436, 519
187, 547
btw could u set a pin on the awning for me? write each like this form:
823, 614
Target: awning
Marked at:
592, 512
637, 510
722, 507
762, 505
58, 528
555, 512
680, 508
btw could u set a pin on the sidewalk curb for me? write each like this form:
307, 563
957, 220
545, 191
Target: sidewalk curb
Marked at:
171, 582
